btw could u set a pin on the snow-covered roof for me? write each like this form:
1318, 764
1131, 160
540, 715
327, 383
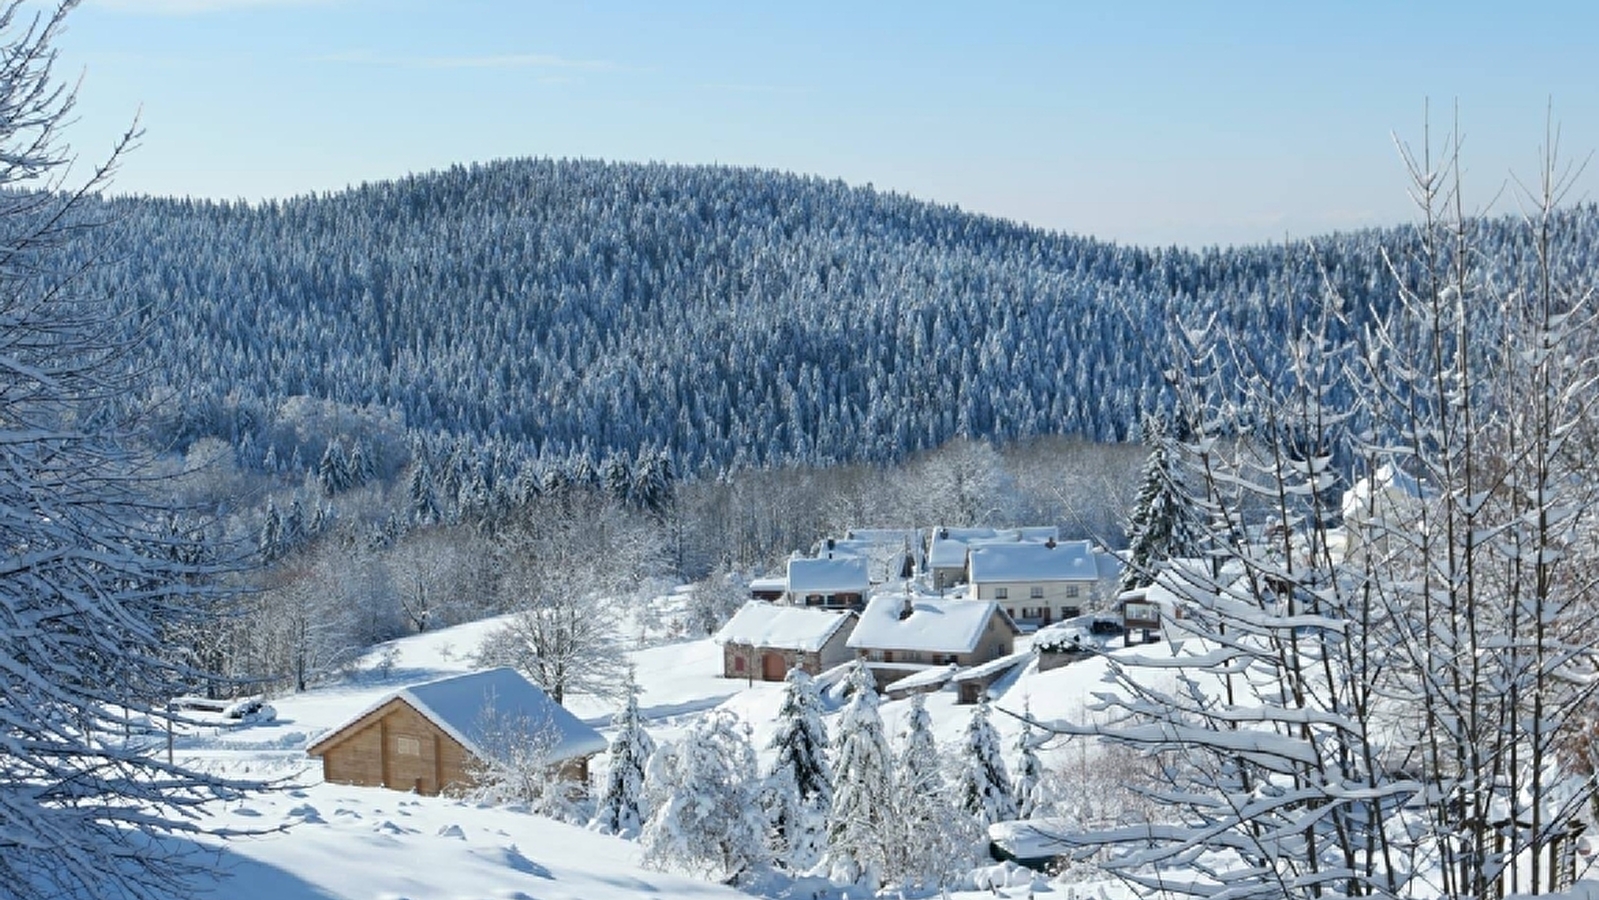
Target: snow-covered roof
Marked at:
947, 553
1065, 561
930, 677
772, 583
892, 537
762, 624
466, 707
983, 670
846, 574
934, 626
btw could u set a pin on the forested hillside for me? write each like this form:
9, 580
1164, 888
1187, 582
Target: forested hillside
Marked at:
731, 317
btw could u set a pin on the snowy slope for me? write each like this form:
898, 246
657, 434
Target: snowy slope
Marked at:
336, 841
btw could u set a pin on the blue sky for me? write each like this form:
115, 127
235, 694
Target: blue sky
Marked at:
1149, 123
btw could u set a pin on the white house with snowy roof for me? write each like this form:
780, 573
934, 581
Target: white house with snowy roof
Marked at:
764, 641
899, 634
432, 737
838, 583
1040, 583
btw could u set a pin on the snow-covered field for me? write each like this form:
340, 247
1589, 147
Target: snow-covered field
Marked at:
316, 840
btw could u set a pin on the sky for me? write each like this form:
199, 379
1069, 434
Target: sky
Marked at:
1138, 122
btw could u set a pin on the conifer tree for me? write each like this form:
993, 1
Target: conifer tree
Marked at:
799, 787
1159, 527
931, 840
1029, 782
333, 472
857, 827
704, 796
984, 787
621, 810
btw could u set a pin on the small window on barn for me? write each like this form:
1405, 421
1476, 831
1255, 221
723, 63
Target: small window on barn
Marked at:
1036, 592
1001, 593
405, 745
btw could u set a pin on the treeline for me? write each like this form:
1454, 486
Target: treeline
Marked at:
336, 560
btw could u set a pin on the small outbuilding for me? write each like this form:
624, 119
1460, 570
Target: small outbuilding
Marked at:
431, 737
764, 641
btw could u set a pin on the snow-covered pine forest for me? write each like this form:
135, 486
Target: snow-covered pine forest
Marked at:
729, 318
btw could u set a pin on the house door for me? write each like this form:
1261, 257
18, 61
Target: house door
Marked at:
772, 667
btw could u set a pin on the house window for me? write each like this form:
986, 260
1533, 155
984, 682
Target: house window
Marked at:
1036, 592
813, 600
406, 745
1071, 590
1001, 593
738, 663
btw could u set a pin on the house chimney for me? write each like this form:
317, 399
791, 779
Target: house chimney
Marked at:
906, 607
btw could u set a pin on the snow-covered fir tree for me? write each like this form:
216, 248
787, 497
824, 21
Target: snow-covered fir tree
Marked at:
858, 824
931, 842
621, 807
799, 788
1159, 527
1028, 785
983, 787
704, 794
333, 471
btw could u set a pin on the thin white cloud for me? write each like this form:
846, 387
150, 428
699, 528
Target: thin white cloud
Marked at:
487, 61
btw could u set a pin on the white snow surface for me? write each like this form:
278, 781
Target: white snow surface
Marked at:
464, 705
762, 624
934, 626
316, 841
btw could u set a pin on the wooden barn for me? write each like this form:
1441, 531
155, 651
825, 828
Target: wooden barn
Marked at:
430, 737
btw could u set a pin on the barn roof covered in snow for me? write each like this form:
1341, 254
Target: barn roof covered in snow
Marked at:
762, 624
1064, 561
478, 708
934, 626
842, 574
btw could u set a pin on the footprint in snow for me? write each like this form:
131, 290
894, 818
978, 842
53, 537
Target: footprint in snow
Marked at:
387, 827
452, 831
247, 811
347, 812
307, 813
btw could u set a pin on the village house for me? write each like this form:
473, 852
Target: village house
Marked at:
432, 737
899, 635
1038, 584
838, 583
765, 641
